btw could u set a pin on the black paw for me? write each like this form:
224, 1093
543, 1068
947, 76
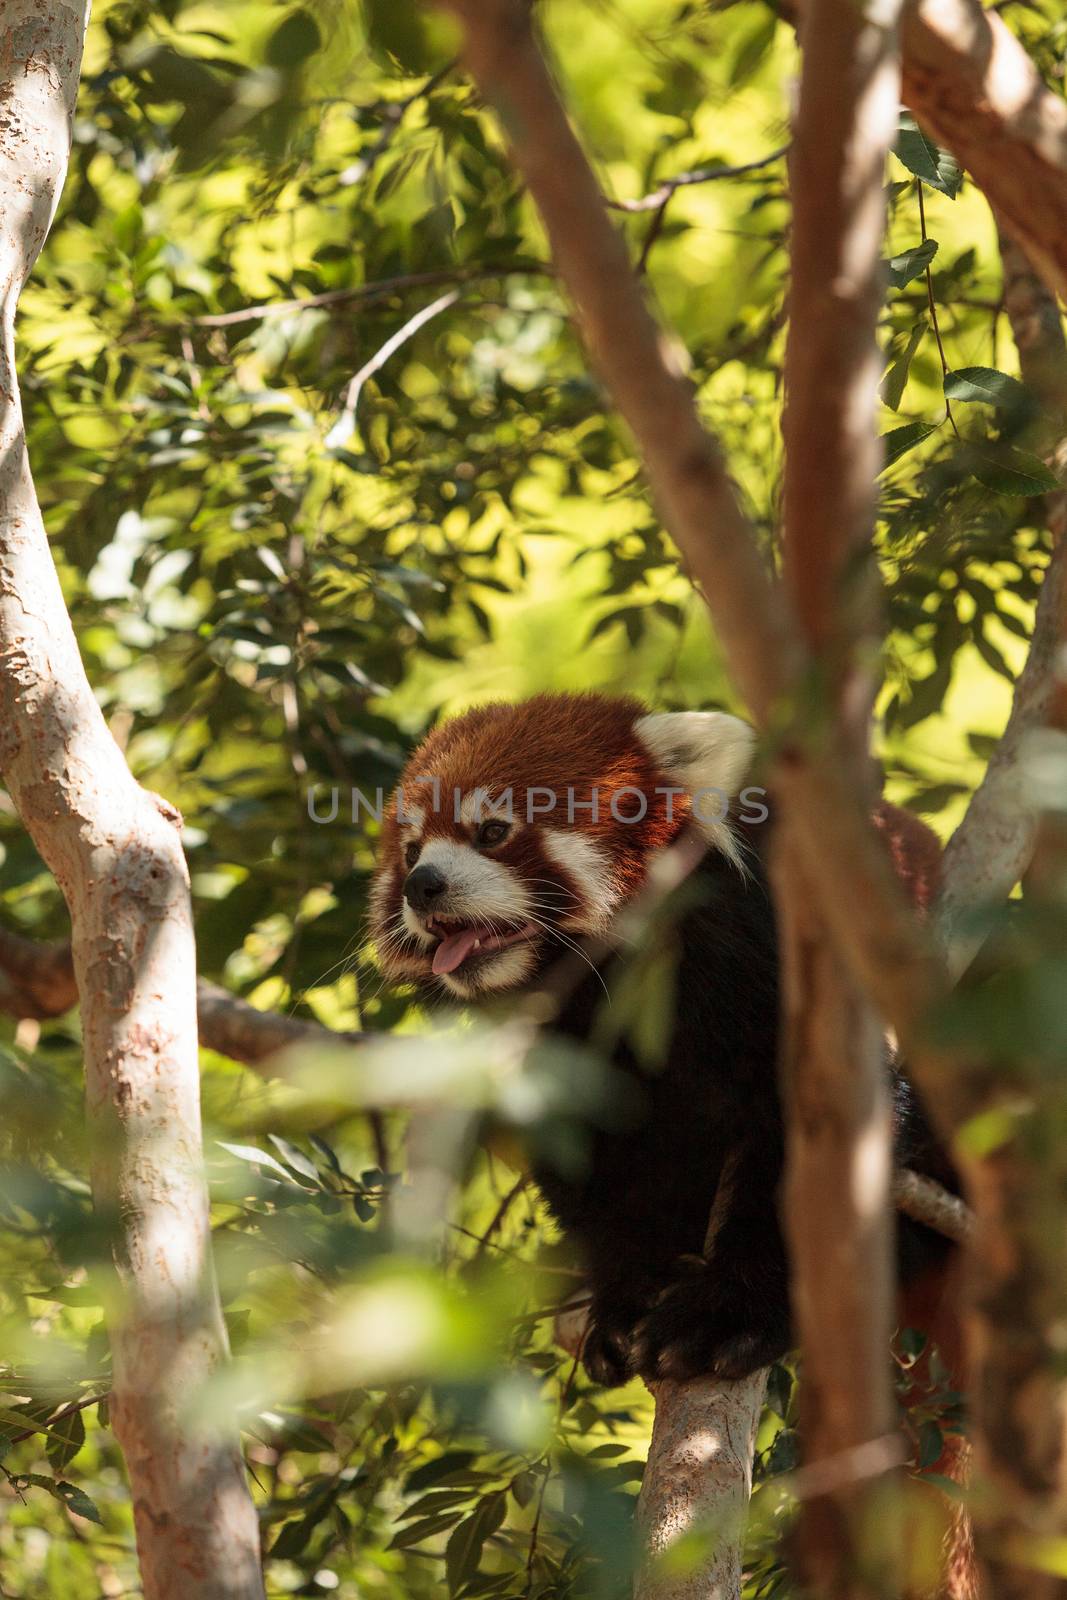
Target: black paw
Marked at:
607, 1355
704, 1328
608, 1347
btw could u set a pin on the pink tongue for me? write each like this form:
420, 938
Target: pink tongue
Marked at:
454, 949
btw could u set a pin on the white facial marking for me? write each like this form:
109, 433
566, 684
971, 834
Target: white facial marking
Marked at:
588, 866
413, 926
480, 806
702, 751
480, 890
477, 885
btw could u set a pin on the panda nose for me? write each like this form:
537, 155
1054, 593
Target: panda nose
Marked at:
423, 886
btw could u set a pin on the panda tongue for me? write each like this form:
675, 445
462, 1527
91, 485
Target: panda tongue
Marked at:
454, 949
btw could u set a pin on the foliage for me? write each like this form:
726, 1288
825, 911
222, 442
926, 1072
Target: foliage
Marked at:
285, 556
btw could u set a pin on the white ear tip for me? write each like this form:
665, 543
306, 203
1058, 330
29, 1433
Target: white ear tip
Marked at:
702, 751
712, 743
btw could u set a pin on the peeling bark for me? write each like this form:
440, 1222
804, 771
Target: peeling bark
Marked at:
836, 1199
119, 863
698, 1479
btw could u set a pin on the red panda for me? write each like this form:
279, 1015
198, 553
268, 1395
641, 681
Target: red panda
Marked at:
519, 830
515, 826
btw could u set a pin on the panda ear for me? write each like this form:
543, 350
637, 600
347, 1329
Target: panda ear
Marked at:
699, 749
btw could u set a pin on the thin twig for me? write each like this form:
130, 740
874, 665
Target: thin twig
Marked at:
929, 1202
501, 1212
655, 228
933, 308
345, 425
383, 289
684, 180
60, 1416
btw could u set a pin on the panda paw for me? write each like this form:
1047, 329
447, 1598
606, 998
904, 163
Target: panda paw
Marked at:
608, 1345
709, 1326
607, 1355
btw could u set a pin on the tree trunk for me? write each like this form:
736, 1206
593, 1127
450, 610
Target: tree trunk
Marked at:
698, 1481
836, 1202
116, 855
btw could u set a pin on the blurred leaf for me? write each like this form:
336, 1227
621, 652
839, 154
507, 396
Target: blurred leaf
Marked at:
293, 1157
259, 1158
896, 378
464, 1549
1009, 471
294, 40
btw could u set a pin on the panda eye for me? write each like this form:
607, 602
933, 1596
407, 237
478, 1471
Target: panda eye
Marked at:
492, 833
412, 852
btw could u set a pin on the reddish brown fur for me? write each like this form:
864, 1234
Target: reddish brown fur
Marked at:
915, 851
529, 746
579, 743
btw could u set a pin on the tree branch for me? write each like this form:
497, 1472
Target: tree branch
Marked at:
119, 863
384, 289
698, 1478
993, 845
927, 1201
838, 1121
657, 198
37, 980
975, 90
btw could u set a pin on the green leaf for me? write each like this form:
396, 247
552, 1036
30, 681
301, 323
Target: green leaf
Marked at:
464, 1549
440, 1467
22, 1422
899, 440
986, 384
753, 49
896, 378
400, 31
68, 1494
67, 1438
912, 1342
78, 1501
1006, 470
295, 1158
425, 1528
911, 264
293, 41
432, 1504
293, 1538
260, 1158
920, 155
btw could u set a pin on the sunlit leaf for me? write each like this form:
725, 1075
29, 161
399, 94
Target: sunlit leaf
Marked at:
920, 155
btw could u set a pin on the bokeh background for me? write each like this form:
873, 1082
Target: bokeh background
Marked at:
278, 585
